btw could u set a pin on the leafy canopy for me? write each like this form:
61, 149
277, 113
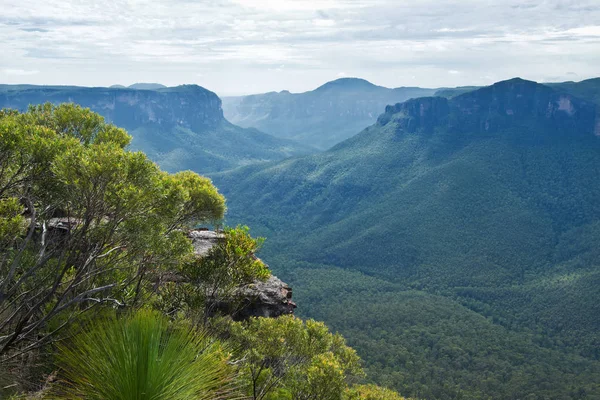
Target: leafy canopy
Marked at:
289, 356
212, 282
84, 221
371, 392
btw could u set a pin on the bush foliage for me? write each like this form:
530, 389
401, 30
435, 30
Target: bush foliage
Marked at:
89, 234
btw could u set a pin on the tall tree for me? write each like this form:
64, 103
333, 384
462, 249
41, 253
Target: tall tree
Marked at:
83, 220
286, 357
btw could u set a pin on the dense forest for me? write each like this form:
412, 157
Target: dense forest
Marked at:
104, 296
180, 128
322, 117
452, 242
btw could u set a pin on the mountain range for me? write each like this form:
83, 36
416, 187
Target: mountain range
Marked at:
453, 242
320, 118
180, 127
451, 238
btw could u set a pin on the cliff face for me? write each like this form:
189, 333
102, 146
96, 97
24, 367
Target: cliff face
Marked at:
417, 114
519, 103
515, 104
190, 106
322, 117
180, 127
271, 298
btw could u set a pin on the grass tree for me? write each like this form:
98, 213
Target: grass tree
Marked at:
143, 357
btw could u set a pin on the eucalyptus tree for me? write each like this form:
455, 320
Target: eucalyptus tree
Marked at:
83, 221
287, 357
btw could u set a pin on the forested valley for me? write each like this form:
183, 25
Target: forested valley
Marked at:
108, 292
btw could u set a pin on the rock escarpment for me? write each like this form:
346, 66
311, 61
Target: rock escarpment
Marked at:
189, 106
271, 298
320, 118
516, 105
180, 128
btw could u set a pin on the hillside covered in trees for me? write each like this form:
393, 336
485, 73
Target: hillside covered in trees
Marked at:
180, 128
105, 295
322, 117
452, 242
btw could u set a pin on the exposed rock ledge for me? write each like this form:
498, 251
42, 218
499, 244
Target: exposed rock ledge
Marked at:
271, 298
204, 240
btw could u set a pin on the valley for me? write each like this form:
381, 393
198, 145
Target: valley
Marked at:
451, 241
463, 225
180, 128
320, 118
300, 200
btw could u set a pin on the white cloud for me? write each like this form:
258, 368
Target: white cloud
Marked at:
19, 72
295, 5
586, 31
323, 22
237, 45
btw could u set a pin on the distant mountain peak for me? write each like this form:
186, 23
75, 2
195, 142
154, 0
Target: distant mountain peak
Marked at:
147, 86
511, 84
319, 118
517, 94
515, 87
516, 79
495, 108
347, 83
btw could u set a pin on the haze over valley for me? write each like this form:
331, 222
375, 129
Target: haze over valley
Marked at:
300, 200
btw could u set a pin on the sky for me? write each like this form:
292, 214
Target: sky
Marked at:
237, 47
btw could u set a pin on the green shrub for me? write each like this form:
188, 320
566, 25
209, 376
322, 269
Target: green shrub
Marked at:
143, 357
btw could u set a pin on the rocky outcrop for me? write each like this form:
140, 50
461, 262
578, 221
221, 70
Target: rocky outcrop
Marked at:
271, 298
180, 128
188, 106
512, 105
204, 240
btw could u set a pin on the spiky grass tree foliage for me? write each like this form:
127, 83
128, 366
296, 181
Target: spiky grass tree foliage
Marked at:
144, 357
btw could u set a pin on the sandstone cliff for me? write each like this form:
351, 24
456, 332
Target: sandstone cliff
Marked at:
271, 298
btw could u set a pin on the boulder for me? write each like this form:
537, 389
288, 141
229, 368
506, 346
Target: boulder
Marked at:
271, 298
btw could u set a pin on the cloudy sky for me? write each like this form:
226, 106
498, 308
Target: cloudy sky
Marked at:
251, 46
